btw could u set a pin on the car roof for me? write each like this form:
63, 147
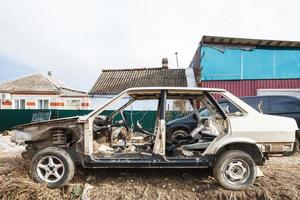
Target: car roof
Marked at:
173, 89
151, 92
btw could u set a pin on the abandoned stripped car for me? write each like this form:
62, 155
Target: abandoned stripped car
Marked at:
107, 138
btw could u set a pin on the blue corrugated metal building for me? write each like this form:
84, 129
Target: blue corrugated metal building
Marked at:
258, 63
237, 59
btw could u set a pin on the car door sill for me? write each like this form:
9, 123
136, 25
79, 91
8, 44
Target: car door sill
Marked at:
151, 162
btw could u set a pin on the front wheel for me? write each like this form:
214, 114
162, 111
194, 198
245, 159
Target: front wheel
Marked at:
234, 170
53, 166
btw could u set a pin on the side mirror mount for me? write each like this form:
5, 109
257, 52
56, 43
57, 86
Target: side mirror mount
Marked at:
238, 113
227, 109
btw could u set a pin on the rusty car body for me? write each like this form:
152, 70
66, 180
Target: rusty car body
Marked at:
98, 141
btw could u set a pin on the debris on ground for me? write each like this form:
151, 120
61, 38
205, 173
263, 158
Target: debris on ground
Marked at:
86, 191
8, 148
5, 133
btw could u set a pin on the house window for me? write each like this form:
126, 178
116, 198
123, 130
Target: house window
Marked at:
73, 104
19, 104
43, 104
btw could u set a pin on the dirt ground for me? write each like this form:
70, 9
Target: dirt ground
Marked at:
281, 181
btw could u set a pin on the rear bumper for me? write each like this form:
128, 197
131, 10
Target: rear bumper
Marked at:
280, 147
277, 148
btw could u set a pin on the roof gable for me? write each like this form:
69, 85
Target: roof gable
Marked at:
57, 83
35, 83
38, 83
115, 81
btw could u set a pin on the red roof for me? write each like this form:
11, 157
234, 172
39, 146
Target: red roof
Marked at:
242, 88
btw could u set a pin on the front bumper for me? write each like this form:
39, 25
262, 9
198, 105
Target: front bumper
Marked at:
19, 137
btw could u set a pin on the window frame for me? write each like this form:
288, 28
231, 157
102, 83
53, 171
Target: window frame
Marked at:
70, 99
264, 100
43, 99
228, 99
19, 104
271, 101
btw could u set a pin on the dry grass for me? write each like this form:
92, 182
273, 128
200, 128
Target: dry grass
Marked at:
281, 181
16, 183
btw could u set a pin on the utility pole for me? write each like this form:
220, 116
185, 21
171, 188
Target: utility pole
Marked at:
176, 54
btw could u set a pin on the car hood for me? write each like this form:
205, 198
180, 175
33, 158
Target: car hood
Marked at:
53, 121
38, 131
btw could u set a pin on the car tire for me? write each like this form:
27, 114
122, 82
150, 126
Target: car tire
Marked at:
52, 166
175, 136
234, 170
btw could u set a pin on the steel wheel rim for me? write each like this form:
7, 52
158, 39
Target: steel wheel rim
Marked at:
236, 171
50, 169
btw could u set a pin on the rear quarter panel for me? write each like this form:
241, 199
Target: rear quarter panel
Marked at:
264, 128
276, 134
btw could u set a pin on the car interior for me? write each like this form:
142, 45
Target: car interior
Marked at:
117, 135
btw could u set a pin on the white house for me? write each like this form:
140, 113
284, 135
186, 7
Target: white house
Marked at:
41, 91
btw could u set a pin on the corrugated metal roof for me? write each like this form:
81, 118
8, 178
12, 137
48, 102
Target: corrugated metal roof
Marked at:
38, 84
115, 81
248, 42
242, 88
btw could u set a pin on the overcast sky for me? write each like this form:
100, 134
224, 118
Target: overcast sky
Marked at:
75, 39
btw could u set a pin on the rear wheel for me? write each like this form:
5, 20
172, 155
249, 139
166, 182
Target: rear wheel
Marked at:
234, 170
53, 166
